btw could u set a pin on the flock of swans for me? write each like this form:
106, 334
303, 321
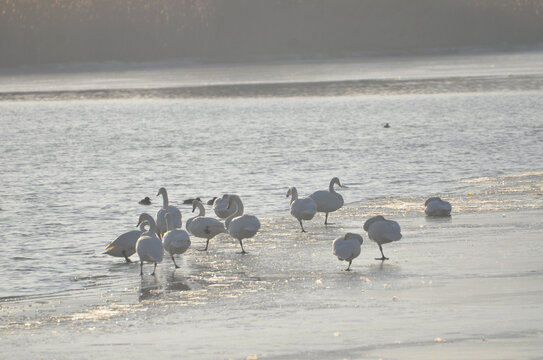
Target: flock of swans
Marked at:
164, 234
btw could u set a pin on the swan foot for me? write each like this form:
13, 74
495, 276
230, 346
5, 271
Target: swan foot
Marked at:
202, 249
154, 270
349, 267
141, 269
174, 263
382, 258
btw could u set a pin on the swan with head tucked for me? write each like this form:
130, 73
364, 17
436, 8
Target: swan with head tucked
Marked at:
220, 206
437, 207
347, 247
149, 246
301, 209
167, 208
382, 231
240, 226
175, 241
125, 244
203, 226
328, 200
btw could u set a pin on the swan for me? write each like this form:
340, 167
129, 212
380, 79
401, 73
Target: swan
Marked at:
220, 206
301, 209
175, 241
328, 201
437, 207
125, 244
240, 226
189, 201
382, 231
347, 247
203, 226
149, 247
166, 207
145, 201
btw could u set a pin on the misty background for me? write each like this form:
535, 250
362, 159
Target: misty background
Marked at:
34, 32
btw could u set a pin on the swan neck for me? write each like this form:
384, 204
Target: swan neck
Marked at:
331, 186
293, 195
169, 225
165, 201
201, 209
234, 214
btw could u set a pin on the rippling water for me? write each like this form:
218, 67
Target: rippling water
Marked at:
75, 166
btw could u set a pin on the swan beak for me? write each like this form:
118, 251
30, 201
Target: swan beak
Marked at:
193, 207
229, 204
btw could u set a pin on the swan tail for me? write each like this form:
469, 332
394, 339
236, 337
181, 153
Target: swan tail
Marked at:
109, 248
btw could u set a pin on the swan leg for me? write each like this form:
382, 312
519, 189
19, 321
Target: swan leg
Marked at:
242, 250
382, 255
349, 267
126, 257
207, 244
326, 219
177, 267
154, 269
301, 225
141, 268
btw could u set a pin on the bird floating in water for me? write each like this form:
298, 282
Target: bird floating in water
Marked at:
189, 201
437, 207
382, 231
301, 209
145, 201
347, 247
328, 200
211, 201
386, 126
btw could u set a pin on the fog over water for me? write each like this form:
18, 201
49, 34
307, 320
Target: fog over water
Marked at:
41, 32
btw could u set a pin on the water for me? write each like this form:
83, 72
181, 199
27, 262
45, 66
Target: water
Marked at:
76, 158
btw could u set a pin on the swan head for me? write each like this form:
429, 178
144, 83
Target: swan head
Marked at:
161, 191
144, 217
289, 192
195, 204
354, 236
372, 220
336, 181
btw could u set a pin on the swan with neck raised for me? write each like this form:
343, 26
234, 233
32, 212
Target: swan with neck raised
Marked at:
301, 209
241, 226
203, 226
328, 200
125, 244
437, 207
382, 231
347, 247
167, 208
149, 246
175, 241
220, 207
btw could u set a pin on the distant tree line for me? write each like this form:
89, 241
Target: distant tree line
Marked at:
49, 31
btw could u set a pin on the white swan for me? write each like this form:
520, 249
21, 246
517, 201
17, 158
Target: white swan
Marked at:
347, 247
125, 244
203, 226
437, 207
241, 226
328, 201
149, 247
382, 231
161, 214
175, 241
301, 209
220, 206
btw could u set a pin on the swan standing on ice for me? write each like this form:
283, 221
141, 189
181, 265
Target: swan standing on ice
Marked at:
166, 207
175, 241
149, 247
301, 209
382, 231
202, 226
125, 244
240, 226
437, 207
220, 206
347, 247
328, 201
